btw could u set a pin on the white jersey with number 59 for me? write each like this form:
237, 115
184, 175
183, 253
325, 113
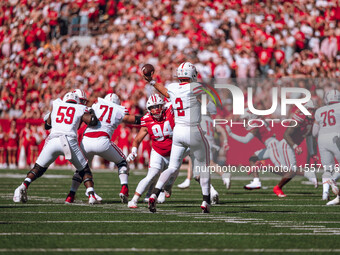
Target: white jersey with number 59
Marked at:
109, 114
186, 106
328, 118
66, 117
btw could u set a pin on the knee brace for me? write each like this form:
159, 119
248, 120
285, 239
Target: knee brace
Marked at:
76, 177
253, 159
86, 174
123, 167
37, 170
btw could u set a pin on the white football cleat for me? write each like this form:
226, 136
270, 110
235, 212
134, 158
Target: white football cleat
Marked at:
205, 207
146, 200
227, 182
213, 196
99, 199
20, 194
132, 204
184, 185
334, 187
93, 200
311, 176
335, 201
253, 185
161, 198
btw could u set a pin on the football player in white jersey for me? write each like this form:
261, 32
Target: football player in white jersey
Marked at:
209, 129
97, 141
187, 132
65, 117
327, 128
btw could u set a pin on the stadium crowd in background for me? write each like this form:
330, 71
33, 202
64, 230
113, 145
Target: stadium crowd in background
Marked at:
40, 60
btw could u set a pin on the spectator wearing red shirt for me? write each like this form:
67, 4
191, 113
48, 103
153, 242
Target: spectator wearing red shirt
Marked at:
12, 145
3, 141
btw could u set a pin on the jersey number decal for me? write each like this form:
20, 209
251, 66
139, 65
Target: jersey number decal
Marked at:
159, 134
180, 111
329, 116
65, 114
106, 108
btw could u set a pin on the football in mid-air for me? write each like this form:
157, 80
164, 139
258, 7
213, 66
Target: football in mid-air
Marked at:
148, 70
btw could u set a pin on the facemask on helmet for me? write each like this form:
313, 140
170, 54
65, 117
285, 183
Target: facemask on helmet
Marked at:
71, 97
82, 96
154, 105
332, 96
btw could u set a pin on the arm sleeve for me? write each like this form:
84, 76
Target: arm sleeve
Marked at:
242, 139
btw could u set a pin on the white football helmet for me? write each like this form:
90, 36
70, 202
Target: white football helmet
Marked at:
154, 105
248, 115
82, 96
113, 98
332, 96
71, 97
211, 108
187, 70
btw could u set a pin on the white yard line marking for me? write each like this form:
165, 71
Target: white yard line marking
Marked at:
165, 234
200, 250
104, 221
47, 176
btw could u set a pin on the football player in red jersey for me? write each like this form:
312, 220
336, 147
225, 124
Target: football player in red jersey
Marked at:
12, 145
290, 145
159, 124
3, 140
261, 130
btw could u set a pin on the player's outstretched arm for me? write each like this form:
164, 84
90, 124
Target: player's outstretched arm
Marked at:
132, 119
241, 139
136, 142
160, 88
288, 136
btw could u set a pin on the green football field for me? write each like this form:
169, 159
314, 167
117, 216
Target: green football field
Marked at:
243, 222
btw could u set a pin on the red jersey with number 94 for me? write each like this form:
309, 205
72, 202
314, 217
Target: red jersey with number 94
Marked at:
160, 131
66, 117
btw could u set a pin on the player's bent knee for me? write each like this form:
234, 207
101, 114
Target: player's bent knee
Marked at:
76, 177
38, 170
85, 173
123, 167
